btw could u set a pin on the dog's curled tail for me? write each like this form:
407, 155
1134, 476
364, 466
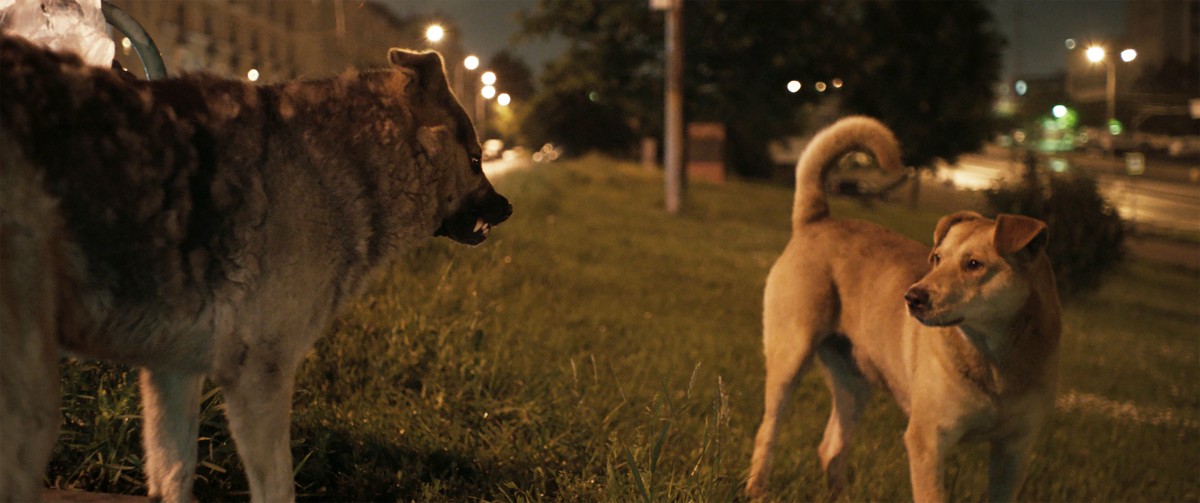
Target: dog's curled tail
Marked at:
822, 154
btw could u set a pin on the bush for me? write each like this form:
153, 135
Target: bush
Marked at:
1086, 233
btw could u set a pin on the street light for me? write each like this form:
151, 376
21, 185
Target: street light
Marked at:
1096, 54
435, 33
486, 93
503, 99
471, 62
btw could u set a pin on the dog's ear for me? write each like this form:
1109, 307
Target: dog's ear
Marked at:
423, 69
948, 221
1015, 233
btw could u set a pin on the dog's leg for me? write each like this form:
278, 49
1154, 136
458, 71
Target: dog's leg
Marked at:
29, 396
927, 444
788, 350
258, 403
1007, 468
171, 408
30, 318
850, 392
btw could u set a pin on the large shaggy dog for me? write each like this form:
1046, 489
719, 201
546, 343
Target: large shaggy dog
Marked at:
964, 336
206, 227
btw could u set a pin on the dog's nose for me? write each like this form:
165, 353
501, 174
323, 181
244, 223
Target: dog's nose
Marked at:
496, 208
917, 299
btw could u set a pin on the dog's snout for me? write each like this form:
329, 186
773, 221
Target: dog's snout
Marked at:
917, 299
497, 208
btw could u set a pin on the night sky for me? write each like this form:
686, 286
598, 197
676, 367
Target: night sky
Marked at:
1035, 29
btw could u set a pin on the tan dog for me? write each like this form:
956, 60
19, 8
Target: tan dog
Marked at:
968, 347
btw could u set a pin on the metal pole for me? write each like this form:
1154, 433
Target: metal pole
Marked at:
673, 121
458, 81
1111, 89
480, 117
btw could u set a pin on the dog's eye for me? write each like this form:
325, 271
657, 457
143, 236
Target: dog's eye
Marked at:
476, 164
935, 258
974, 265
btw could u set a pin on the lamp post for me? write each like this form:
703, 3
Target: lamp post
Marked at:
471, 62
487, 92
1097, 54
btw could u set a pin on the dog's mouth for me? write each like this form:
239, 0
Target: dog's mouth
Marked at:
922, 306
472, 223
935, 321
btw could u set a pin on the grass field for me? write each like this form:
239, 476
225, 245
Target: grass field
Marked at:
596, 348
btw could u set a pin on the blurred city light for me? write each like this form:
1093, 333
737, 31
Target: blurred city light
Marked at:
126, 45
1095, 54
1128, 55
1059, 111
793, 86
503, 99
1070, 43
435, 33
488, 78
820, 87
837, 83
488, 92
1021, 87
472, 62
252, 75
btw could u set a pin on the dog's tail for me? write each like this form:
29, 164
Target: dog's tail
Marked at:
822, 154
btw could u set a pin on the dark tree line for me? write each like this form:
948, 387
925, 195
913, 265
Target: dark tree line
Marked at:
925, 68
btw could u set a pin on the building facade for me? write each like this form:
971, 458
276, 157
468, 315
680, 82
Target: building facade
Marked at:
271, 41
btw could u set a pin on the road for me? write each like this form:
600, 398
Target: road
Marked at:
496, 168
1171, 205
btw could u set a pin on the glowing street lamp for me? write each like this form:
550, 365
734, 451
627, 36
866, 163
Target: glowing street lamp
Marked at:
488, 78
252, 75
793, 86
503, 99
1097, 54
487, 92
435, 33
471, 62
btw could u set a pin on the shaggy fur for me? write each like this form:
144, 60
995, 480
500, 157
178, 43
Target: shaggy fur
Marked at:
967, 347
201, 226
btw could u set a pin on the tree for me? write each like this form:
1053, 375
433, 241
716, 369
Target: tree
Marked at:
577, 111
513, 75
926, 69
604, 91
